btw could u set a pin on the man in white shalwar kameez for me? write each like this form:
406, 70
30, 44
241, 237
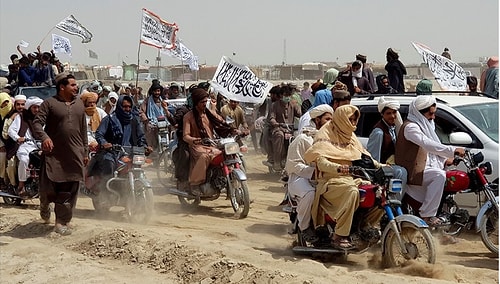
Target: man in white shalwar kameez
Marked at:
300, 173
420, 151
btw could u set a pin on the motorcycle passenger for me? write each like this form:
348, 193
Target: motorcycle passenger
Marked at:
334, 149
21, 131
300, 173
283, 113
94, 115
382, 139
120, 128
200, 124
420, 151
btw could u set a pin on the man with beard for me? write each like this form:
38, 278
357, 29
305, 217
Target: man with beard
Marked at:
200, 124
21, 131
383, 85
367, 72
60, 124
300, 185
354, 80
152, 109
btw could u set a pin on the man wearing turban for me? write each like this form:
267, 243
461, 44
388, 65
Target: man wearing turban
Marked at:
300, 173
21, 131
201, 123
420, 151
5, 107
94, 115
382, 139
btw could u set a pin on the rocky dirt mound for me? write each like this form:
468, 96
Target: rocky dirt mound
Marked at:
180, 262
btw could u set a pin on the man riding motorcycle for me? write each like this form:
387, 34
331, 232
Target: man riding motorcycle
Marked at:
119, 128
300, 185
200, 125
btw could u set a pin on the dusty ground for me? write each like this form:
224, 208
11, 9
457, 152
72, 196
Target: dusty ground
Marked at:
205, 245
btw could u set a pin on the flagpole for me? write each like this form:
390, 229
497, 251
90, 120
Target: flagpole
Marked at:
183, 78
138, 62
46, 36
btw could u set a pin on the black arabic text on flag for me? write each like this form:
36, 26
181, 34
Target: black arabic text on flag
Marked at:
72, 26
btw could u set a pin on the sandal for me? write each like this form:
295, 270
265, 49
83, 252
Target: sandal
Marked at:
45, 215
62, 230
342, 243
432, 221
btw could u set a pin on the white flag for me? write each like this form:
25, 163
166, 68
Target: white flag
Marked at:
237, 82
449, 75
24, 44
61, 44
157, 32
183, 53
72, 26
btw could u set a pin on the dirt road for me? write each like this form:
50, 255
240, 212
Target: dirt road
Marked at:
205, 244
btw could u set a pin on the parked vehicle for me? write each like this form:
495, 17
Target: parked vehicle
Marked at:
477, 116
473, 180
403, 237
225, 174
146, 77
10, 195
128, 187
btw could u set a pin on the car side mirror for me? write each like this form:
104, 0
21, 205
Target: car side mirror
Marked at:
460, 138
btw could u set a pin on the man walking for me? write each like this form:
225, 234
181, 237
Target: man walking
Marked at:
64, 143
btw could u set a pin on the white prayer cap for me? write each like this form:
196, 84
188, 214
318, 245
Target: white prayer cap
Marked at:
108, 88
424, 101
383, 103
20, 98
34, 100
320, 110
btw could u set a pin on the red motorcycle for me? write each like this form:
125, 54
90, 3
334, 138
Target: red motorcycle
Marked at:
456, 219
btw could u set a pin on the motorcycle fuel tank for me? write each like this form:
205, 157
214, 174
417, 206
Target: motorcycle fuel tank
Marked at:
456, 181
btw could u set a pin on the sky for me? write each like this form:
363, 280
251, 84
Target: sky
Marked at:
260, 32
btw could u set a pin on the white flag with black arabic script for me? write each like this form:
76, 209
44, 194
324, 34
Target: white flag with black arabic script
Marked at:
183, 53
61, 44
157, 32
449, 75
238, 83
72, 26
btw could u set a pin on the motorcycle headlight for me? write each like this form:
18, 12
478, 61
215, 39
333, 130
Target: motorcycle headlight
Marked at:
395, 185
487, 168
162, 124
231, 148
139, 160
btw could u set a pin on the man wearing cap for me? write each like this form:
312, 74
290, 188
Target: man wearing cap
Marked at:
234, 111
10, 144
199, 124
395, 70
300, 174
419, 150
382, 139
61, 126
354, 80
367, 72
103, 96
21, 131
424, 87
489, 78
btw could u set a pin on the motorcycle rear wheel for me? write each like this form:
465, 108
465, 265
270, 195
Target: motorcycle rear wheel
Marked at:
239, 196
418, 242
10, 200
165, 168
140, 208
489, 230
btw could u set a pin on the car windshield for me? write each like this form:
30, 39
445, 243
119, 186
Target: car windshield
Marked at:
484, 116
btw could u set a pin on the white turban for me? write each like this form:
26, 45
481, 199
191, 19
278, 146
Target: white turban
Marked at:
320, 110
383, 103
20, 98
34, 100
424, 101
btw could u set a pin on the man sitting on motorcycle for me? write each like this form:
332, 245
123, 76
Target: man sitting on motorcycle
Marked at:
420, 151
382, 139
282, 115
122, 127
335, 148
201, 125
21, 131
300, 184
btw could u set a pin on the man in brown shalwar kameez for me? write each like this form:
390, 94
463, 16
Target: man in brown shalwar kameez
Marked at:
64, 143
201, 123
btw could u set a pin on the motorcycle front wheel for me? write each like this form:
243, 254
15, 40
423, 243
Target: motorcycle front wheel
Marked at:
489, 230
10, 200
140, 206
417, 241
239, 196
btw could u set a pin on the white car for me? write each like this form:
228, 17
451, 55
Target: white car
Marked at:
474, 115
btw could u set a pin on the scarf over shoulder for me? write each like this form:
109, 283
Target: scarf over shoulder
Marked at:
336, 140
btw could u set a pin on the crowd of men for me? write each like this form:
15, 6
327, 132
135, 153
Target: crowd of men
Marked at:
97, 116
